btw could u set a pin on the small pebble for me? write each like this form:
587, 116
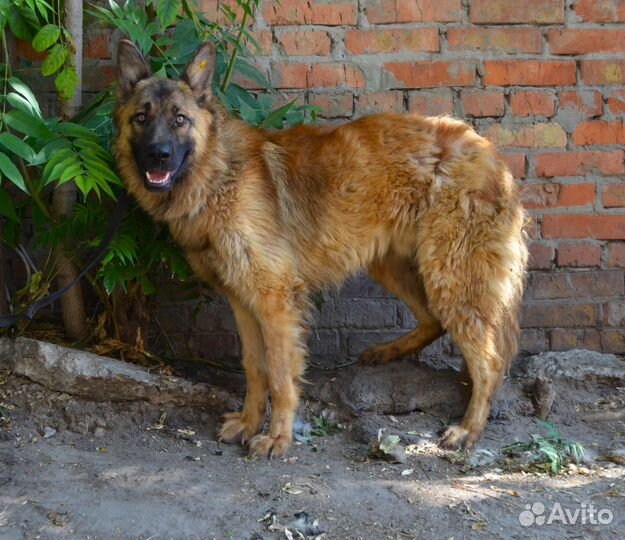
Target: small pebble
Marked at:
99, 432
48, 432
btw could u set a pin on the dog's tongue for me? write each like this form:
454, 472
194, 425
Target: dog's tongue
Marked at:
157, 177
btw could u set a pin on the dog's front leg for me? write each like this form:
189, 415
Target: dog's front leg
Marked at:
282, 332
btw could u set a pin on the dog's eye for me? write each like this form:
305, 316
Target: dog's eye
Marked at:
140, 118
180, 119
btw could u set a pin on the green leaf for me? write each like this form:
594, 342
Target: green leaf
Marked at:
26, 93
46, 37
28, 125
22, 22
6, 206
17, 146
18, 102
55, 60
167, 11
9, 170
276, 118
66, 82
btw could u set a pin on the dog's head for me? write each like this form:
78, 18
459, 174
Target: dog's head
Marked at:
161, 122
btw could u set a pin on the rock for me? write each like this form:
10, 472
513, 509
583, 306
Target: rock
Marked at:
543, 396
100, 378
48, 432
482, 457
99, 432
576, 364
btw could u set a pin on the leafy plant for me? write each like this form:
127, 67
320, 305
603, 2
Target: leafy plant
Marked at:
39, 153
551, 450
322, 426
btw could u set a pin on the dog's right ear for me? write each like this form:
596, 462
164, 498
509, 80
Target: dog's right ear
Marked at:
131, 67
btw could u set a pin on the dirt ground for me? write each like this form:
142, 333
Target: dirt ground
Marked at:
72, 468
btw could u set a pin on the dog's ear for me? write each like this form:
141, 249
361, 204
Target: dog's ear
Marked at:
199, 73
131, 67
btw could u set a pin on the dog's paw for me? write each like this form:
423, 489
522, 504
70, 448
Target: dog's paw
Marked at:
267, 446
456, 437
379, 354
238, 428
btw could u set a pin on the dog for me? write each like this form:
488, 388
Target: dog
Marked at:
424, 204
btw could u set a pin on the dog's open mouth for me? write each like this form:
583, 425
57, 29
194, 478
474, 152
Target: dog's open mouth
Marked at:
158, 178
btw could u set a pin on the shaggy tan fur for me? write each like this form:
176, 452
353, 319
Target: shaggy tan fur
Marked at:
424, 204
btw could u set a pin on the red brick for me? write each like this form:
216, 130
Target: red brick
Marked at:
431, 103
392, 101
616, 102
541, 256
603, 71
334, 105
600, 10
585, 102
402, 11
561, 285
532, 104
613, 341
600, 227
264, 40
290, 76
331, 75
613, 195
431, 74
98, 46
580, 163
508, 40
482, 102
599, 132
578, 254
586, 41
513, 11
516, 163
558, 314
289, 12
616, 255
564, 340
305, 43
527, 136
615, 313
392, 40
24, 49
95, 78
529, 72
557, 195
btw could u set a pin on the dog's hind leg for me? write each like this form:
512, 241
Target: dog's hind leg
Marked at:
401, 278
242, 426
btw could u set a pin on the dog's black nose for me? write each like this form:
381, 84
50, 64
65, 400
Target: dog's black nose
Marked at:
160, 151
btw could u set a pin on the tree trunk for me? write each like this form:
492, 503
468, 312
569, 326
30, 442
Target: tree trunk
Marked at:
64, 196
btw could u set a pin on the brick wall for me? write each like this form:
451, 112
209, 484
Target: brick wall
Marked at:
542, 79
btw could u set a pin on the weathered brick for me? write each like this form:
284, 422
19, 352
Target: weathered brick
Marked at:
616, 102
479, 103
541, 256
561, 285
566, 339
359, 341
529, 72
599, 132
597, 226
292, 12
603, 72
385, 40
580, 163
214, 317
600, 10
616, 255
98, 46
431, 102
579, 254
400, 11
392, 101
558, 195
558, 314
582, 102
300, 43
615, 313
533, 341
358, 313
506, 40
333, 105
613, 340
512, 11
586, 41
323, 343
613, 195
528, 136
318, 75
264, 40
532, 103
430, 74
24, 49
516, 163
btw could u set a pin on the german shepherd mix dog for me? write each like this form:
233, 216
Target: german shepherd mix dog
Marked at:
424, 204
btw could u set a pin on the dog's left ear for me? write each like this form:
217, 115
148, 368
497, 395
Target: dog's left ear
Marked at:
199, 73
